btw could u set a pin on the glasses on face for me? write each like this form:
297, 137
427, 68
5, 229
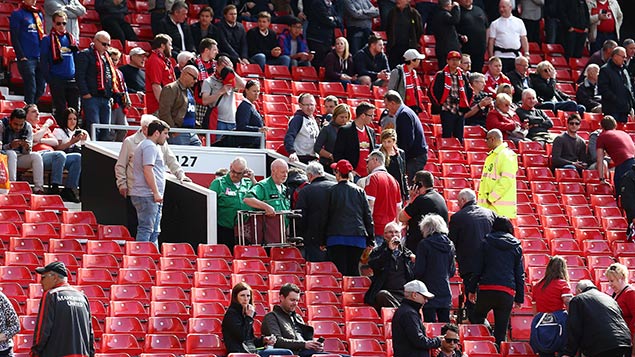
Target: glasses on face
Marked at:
60, 23
105, 44
372, 115
452, 340
574, 123
239, 173
192, 75
307, 104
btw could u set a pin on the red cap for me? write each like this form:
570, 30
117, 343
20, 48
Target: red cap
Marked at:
343, 167
453, 54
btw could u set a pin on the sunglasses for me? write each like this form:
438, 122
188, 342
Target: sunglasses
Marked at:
105, 44
452, 340
60, 23
574, 123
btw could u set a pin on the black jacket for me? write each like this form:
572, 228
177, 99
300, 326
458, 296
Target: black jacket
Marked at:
502, 265
86, 74
313, 201
232, 40
627, 193
595, 324
197, 35
282, 325
614, 85
408, 333
381, 260
397, 168
107, 9
537, 120
585, 95
415, 30
429, 202
434, 266
347, 143
169, 28
574, 13
367, 65
517, 82
546, 89
322, 22
443, 26
468, 228
238, 329
248, 119
257, 43
349, 212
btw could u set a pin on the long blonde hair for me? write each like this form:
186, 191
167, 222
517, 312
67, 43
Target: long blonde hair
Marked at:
347, 52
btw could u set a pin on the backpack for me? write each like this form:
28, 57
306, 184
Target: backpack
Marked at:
548, 332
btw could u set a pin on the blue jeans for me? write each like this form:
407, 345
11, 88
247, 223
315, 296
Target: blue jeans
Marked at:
261, 60
33, 77
54, 161
148, 218
552, 26
97, 111
224, 126
567, 106
415, 164
275, 351
185, 139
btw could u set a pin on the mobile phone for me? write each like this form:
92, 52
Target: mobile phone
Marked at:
603, 12
77, 132
312, 52
320, 340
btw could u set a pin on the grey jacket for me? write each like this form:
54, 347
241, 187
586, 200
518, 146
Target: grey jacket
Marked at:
531, 9
74, 10
280, 324
360, 13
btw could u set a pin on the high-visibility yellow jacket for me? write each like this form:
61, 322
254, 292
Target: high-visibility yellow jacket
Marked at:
497, 190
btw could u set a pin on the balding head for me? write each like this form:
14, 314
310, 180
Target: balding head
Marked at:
494, 138
465, 196
101, 42
584, 285
279, 171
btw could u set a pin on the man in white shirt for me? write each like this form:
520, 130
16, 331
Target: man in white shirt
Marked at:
507, 37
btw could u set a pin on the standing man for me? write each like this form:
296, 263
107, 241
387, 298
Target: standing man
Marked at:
206, 64
231, 189
371, 64
569, 149
408, 332
383, 192
299, 141
134, 73
449, 91
112, 14
232, 38
313, 202
64, 325
442, 24
27, 31
619, 146
595, 326
177, 107
359, 16
626, 192
270, 194
405, 81
356, 140
97, 80
393, 267
148, 170
17, 142
531, 14
175, 25
575, 22
497, 190
472, 29
468, 228
403, 28
73, 10
57, 59
159, 71
615, 87
507, 37
409, 132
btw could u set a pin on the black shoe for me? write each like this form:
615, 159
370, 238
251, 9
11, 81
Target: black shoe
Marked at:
53, 190
69, 195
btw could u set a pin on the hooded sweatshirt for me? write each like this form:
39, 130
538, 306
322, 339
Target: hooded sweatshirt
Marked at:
434, 266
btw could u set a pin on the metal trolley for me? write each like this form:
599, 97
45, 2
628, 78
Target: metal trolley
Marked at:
256, 228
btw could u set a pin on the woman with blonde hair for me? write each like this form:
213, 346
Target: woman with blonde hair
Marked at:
339, 64
325, 142
623, 293
395, 160
505, 119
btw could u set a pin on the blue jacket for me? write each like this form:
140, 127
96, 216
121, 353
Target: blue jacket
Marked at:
468, 228
408, 333
434, 266
410, 133
367, 65
502, 265
24, 35
248, 119
86, 74
284, 40
64, 69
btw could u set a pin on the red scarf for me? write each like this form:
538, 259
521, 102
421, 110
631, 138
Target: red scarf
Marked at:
447, 86
203, 68
35, 11
56, 45
101, 73
165, 59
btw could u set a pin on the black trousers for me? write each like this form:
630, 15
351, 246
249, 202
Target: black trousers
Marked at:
501, 303
65, 94
118, 29
226, 236
452, 125
345, 258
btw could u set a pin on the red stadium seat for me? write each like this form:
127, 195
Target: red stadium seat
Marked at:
87, 217
321, 298
113, 232
122, 343
565, 247
521, 327
125, 325
286, 253
304, 73
105, 261
139, 262
324, 312
135, 276
169, 309
204, 325
332, 88
516, 349
362, 329
161, 343
177, 264
209, 295
142, 248
42, 217
77, 231
47, 202
214, 251
129, 292
92, 276
322, 268
328, 329
365, 347
211, 279
173, 278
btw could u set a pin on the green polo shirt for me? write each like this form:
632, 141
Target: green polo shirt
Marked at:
229, 199
267, 191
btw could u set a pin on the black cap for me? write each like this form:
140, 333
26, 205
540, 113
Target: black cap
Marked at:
57, 267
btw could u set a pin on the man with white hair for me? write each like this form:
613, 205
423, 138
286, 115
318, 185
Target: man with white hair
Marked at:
507, 37
270, 194
313, 202
497, 190
538, 122
467, 228
587, 93
595, 326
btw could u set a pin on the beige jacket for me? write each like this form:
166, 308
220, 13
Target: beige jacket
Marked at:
123, 167
595, 19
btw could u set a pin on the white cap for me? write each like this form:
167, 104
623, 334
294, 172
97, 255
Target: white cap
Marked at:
413, 54
417, 286
137, 51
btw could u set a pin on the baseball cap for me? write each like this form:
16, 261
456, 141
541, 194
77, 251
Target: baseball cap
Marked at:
343, 167
137, 51
417, 286
412, 54
57, 267
228, 76
453, 55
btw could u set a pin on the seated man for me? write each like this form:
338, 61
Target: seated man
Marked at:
450, 342
519, 78
536, 120
134, 72
587, 93
371, 64
294, 45
17, 142
232, 38
393, 267
263, 45
569, 150
550, 97
45, 143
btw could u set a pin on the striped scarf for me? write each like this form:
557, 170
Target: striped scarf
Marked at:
56, 45
101, 73
35, 11
447, 87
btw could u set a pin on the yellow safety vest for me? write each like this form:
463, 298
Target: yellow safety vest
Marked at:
497, 190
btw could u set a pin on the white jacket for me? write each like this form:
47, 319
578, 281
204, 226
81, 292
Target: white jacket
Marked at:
595, 19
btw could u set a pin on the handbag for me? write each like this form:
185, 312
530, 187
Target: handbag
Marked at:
548, 332
5, 184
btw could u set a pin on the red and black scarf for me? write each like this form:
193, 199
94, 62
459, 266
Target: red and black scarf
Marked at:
56, 44
447, 87
101, 73
165, 59
35, 11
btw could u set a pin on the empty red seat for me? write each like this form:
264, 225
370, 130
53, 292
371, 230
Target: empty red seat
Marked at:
139, 262
173, 278
332, 88
321, 298
104, 261
578, 273
356, 283
286, 266
213, 265
276, 281
567, 175
42, 217
209, 295
120, 343
168, 293
250, 252
113, 232
211, 279
125, 325
47, 202
539, 174
324, 312
277, 72
624, 249
327, 329
254, 280
44, 231
169, 308
197, 343
205, 325
143, 248
565, 246
158, 343
516, 348
87, 217
363, 329
177, 263
249, 266
95, 276
136, 292
596, 247
77, 231
533, 245
521, 327
322, 282
322, 268
365, 347
14, 201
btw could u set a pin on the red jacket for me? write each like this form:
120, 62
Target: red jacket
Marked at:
505, 123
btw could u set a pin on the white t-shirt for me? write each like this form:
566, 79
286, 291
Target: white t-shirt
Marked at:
64, 136
226, 105
507, 33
